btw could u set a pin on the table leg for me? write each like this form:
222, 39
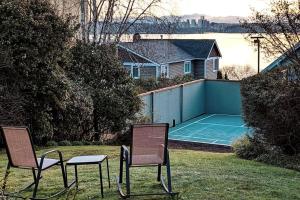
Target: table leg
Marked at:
76, 176
108, 172
101, 182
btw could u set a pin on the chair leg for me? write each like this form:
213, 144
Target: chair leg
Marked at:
76, 176
159, 173
37, 180
169, 176
64, 174
121, 167
107, 168
6, 177
127, 178
101, 181
168, 187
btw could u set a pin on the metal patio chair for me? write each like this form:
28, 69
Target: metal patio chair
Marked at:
149, 147
21, 154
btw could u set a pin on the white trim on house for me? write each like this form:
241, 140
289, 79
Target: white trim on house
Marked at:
141, 64
183, 60
205, 68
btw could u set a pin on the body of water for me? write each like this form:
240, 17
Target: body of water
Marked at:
235, 49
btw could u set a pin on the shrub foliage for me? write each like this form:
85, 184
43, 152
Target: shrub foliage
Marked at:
60, 92
145, 85
112, 91
271, 106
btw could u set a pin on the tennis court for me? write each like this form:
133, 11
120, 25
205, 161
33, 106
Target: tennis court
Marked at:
219, 129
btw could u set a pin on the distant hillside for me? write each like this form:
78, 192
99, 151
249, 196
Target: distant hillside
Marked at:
227, 19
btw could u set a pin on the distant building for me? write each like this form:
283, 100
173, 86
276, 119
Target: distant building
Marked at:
188, 23
203, 24
193, 23
170, 58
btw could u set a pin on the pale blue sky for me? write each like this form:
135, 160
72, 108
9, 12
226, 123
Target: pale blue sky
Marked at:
216, 7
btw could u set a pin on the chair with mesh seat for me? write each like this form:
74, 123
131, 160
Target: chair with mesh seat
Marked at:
21, 154
149, 147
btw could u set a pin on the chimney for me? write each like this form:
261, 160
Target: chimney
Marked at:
136, 37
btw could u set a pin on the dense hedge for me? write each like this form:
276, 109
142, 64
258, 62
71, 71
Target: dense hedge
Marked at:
33, 84
271, 106
145, 85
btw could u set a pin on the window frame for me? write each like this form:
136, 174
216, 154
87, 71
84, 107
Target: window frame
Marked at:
139, 71
190, 67
214, 64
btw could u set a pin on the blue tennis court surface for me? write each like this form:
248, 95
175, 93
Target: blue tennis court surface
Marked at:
219, 129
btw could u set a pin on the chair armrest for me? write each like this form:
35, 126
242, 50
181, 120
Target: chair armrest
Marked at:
125, 152
44, 155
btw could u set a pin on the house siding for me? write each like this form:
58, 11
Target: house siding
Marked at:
147, 72
176, 69
210, 74
198, 69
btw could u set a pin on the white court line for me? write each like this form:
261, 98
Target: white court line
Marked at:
199, 142
229, 115
222, 125
192, 123
204, 138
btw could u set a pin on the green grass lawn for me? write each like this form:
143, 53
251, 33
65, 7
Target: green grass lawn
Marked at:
196, 175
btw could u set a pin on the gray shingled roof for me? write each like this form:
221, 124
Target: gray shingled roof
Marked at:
166, 51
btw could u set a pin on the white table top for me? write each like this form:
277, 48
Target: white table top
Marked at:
93, 159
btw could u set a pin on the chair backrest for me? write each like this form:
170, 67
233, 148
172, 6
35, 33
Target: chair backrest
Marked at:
19, 147
149, 144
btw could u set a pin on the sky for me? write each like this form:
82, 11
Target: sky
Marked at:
217, 7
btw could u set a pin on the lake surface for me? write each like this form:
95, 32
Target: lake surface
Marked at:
235, 49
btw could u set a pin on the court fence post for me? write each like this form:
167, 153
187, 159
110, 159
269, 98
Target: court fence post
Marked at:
152, 107
181, 103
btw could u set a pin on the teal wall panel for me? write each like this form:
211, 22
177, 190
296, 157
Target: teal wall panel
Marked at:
167, 106
193, 100
222, 97
147, 106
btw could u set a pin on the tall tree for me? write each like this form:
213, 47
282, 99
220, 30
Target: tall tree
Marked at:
279, 27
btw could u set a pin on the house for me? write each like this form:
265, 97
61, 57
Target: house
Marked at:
154, 58
284, 60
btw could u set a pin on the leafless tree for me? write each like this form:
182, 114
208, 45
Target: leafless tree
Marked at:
279, 27
236, 72
107, 20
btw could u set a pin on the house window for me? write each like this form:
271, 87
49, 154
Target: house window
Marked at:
164, 71
135, 72
216, 64
187, 67
128, 69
